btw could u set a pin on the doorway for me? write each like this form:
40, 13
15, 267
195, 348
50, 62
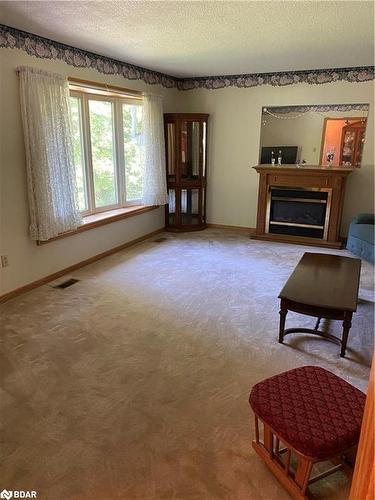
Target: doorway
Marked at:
342, 141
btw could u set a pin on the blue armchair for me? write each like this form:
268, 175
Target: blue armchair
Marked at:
361, 236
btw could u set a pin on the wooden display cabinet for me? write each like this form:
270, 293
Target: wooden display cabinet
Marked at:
353, 138
186, 158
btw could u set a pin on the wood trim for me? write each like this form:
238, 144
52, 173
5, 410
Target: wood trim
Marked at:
185, 228
242, 229
187, 116
101, 219
363, 479
83, 263
103, 86
297, 240
322, 141
317, 170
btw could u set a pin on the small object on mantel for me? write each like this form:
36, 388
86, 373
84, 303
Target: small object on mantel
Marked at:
309, 213
279, 158
272, 158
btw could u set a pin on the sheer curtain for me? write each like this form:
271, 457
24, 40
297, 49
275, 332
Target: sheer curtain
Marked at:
49, 153
155, 183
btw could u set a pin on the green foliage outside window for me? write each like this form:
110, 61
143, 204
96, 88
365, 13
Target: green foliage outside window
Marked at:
101, 132
102, 142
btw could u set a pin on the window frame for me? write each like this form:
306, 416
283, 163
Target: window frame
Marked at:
84, 95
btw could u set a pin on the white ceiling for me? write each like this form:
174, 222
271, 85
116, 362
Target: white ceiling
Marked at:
194, 38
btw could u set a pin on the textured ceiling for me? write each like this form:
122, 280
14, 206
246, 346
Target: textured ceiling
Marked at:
193, 38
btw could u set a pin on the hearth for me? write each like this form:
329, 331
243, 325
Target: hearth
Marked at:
298, 211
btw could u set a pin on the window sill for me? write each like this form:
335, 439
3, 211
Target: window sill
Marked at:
102, 218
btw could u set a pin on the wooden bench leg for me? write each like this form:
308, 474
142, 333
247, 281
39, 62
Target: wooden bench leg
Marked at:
296, 484
303, 473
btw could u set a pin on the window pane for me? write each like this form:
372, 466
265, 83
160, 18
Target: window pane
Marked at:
75, 108
102, 148
132, 123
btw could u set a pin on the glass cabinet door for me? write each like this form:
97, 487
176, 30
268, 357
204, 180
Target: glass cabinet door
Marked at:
171, 151
353, 136
190, 212
192, 149
172, 206
348, 147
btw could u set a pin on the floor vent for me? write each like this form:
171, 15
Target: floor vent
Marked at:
67, 283
160, 240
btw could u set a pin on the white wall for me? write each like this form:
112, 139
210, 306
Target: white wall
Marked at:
233, 147
27, 261
234, 138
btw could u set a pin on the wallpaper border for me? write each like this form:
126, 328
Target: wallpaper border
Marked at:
44, 48
312, 77
321, 108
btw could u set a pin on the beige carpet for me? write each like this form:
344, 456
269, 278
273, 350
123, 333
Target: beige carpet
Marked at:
134, 382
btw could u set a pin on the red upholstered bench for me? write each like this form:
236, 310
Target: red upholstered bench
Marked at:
315, 414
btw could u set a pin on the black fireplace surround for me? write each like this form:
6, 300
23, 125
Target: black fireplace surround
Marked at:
297, 211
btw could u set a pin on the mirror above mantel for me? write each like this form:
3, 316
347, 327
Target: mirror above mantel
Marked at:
328, 135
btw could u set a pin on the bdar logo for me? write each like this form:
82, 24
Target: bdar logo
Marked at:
6, 494
17, 494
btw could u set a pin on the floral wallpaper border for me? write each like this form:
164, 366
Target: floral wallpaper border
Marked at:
44, 48
312, 77
321, 108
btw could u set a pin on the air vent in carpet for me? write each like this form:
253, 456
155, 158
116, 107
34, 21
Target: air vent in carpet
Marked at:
67, 283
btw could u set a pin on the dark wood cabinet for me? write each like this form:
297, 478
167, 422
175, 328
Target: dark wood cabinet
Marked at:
186, 157
353, 138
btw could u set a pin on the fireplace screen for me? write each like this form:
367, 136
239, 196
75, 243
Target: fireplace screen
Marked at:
298, 212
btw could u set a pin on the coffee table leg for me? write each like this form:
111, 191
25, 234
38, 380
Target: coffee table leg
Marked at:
283, 312
345, 332
317, 324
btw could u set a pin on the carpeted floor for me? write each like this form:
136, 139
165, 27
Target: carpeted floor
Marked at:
134, 382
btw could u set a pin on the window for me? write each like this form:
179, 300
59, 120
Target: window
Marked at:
107, 135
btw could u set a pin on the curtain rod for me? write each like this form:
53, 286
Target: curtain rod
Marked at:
137, 94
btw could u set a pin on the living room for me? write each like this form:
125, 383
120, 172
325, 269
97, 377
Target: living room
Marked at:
137, 320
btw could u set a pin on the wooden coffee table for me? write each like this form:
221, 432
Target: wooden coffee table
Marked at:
323, 286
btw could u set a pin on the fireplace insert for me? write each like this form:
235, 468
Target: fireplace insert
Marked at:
298, 211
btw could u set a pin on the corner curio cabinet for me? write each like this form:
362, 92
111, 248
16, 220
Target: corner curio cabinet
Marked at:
186, 156
353, 138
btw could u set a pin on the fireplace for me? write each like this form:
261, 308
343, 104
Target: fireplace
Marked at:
312, 193
298, 211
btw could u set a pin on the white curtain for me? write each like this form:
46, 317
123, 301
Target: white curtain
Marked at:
51, 177
155, 182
